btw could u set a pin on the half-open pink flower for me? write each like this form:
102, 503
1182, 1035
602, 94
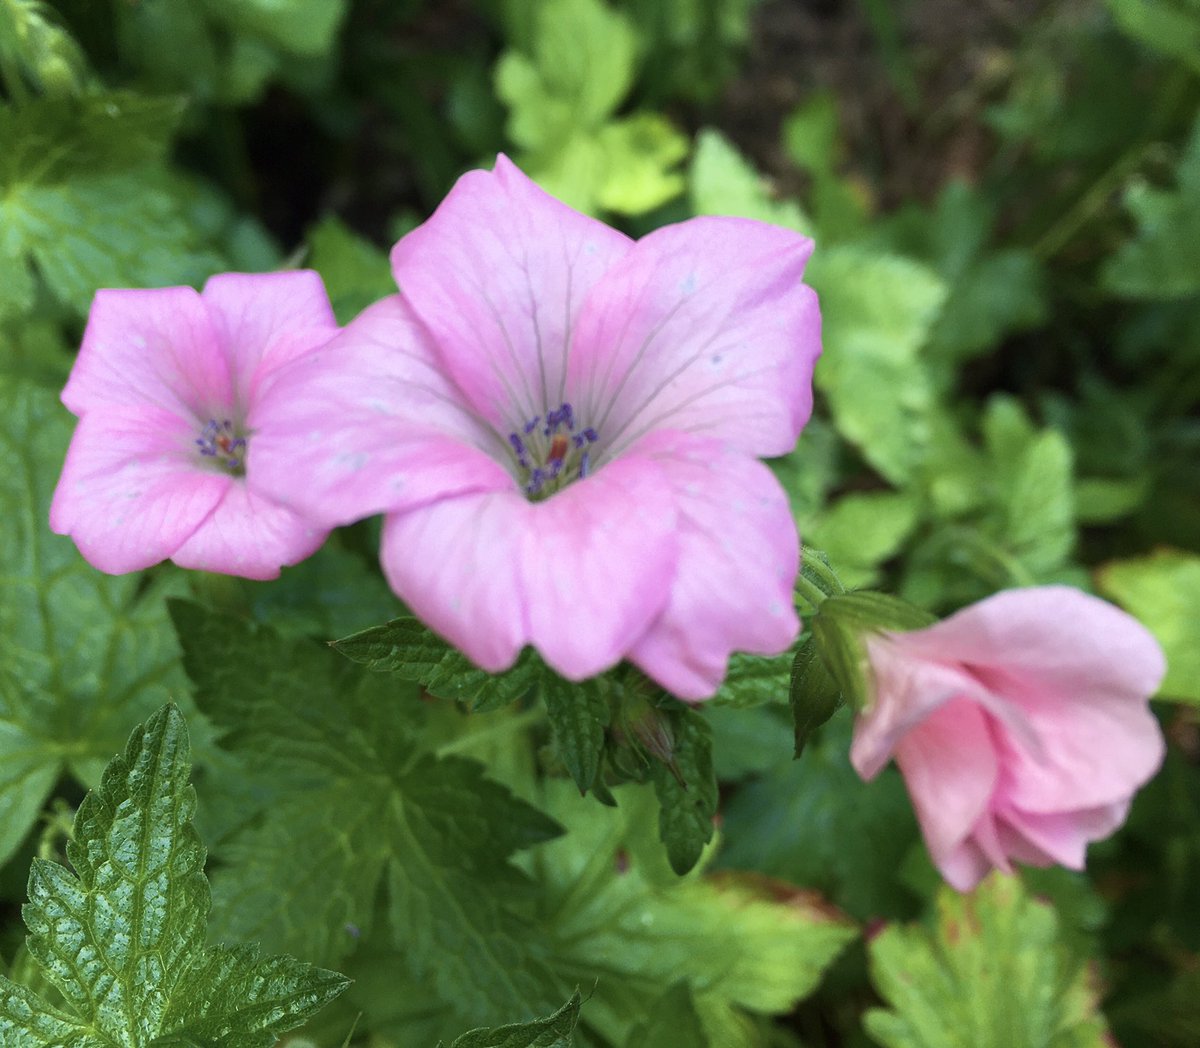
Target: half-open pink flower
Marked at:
1021, 726
168, 387
562, 426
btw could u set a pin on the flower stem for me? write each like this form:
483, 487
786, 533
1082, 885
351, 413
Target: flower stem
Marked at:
809, 592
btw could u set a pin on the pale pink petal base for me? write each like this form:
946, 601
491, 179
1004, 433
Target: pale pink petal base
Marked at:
578, 576
249, 536
738, 557
127, 494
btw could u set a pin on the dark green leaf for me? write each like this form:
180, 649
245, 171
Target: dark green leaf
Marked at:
686, 789
579, 714
554, 1031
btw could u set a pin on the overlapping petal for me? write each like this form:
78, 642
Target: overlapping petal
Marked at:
153, 347
704, 327
249, 536
738, 556
370, 423
263, 321
498, 274
579, 576
126, 494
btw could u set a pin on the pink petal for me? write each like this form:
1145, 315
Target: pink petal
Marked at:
579, 576
1067, 641
369, 423
1093, 750
597, 565
250, 536
457, 563
1059, 838
264, 320
499, 274
738, 556
131, 490
907, 690
703, 327
950, 769
150, 347
965, 866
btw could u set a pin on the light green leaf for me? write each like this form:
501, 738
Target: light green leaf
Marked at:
580, 68
554, 1031
356, 272
992, 973
877, 311
121, 938
32, 41
1163, 259
639, 153
672, 1021
83, 656
616, 911
723, 182
83, 197
1163, 590
860, 532
357, 807
754, 680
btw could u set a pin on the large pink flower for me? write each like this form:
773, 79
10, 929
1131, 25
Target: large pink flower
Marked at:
1020, 724
562, 426
168, 387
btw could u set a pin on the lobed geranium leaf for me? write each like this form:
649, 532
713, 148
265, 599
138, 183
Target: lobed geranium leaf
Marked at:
579, 715
356, 272
554, 1031
84, 198
686, 788
411, 651
992, 973
83, 656
1163, 590
122, 936
1163, 259
723, 182
374, 811
672, 1020
622, 921
878, 311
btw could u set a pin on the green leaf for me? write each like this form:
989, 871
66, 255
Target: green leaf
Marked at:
622, 921
1163, 259
356, 272
878, 310
44, 52
754, 680
814, 822
1163, 590
686, 788
672, 1022
639, 154
83, 197
861, 531
408, 649
993, 972
357, 807
83, 656
723, 182
122, 937
554, 1031
579, 714
580, 68
303, 27
1169, 26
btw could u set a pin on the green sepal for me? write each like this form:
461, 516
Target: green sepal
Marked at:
839, 627
815, 695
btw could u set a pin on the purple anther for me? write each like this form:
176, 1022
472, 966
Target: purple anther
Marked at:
567, 415
531, 425
518, 445
536, 479
583, 464
578, 439
591, 434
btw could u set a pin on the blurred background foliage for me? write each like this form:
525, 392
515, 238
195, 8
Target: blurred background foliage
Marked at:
1005, 197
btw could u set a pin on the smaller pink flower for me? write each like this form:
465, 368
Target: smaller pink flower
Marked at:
1021, 726
167, 388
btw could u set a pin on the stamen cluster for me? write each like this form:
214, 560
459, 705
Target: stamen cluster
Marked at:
546, 451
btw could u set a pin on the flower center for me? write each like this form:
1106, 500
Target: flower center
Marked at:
553, 452
220, 442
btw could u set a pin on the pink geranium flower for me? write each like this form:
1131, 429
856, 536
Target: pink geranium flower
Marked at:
167, 387
1020, 724
562, 426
